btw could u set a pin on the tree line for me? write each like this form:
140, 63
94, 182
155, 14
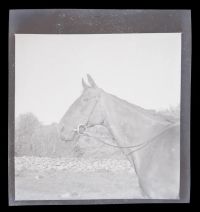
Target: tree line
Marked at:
32, 138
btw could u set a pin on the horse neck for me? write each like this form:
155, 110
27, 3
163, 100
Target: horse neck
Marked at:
130, 124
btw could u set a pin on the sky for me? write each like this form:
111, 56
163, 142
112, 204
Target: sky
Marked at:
144, 69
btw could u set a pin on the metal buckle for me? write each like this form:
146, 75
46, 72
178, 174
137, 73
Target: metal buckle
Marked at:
79, 130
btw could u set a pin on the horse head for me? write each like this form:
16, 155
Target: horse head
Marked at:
86, 109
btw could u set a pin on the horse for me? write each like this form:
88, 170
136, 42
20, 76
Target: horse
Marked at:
150, 141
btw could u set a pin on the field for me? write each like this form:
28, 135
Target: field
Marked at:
43, 178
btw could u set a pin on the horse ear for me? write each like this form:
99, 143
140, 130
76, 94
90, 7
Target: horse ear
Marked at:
84, 84
91, 81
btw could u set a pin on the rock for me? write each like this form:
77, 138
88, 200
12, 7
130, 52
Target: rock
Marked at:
69, 195
66, 195
37, 177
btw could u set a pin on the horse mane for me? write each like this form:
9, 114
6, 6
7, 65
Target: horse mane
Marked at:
148, 112
131, 124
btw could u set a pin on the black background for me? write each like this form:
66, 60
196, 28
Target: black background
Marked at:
195, 189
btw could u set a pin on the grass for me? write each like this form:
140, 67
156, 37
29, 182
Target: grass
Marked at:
57, 183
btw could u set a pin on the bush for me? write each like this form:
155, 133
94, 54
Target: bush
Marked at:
25, 126
34, 139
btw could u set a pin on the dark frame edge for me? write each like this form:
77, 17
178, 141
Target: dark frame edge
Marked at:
185, 118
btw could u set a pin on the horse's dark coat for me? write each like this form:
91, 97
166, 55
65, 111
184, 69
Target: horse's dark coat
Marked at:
157, 163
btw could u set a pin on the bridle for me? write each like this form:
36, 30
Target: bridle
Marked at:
102, 139
81, 130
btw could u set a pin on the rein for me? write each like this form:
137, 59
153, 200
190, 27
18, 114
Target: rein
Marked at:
81, 131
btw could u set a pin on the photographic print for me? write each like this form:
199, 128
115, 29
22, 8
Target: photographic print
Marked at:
97, 116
